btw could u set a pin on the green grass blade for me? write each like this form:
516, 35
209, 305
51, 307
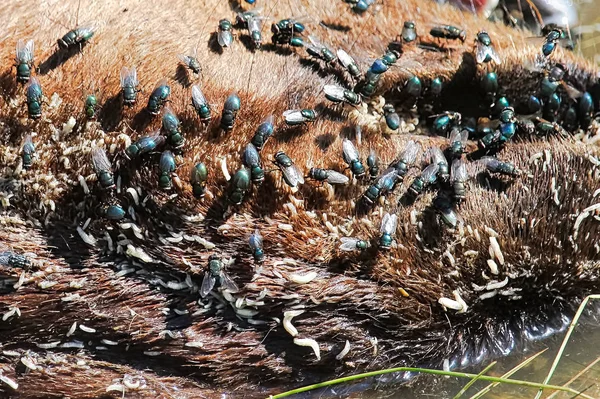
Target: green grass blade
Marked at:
582, 372
474, 380
566, 340
356, 377
510, 372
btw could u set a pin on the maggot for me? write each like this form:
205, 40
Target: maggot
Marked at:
310, 343
493, 266
194, 344
456, 304
247, 313
9, 382
134, 195
287, 321
285, 226
28, 362
88, 239
138, 253
83, 184
115, 388
48, 345
496, 284
11, 312
495, 249
224, 169
344, 351
303, 278
86, 329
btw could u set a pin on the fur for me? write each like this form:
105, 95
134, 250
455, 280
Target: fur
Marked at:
384, 304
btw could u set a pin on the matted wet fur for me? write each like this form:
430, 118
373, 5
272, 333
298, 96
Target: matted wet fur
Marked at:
143, 319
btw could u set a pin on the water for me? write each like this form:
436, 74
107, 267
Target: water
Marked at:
580, 363
583, 349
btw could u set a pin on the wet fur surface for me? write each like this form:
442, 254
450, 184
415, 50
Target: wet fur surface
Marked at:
183, 347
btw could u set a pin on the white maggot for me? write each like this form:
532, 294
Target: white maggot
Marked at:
287, 321
344, 351
303, 278
310, 343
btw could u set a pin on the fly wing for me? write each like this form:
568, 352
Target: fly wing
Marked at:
4, 258
494, 56
315, 42
85, 30
33, 81
334, 177
459, 171
128, 77
100, 162
25, 51
384, 222
28, 147
293, 175
489, 163
435, 155
429, 173
256, 240
256, 11
269, 120
481, 52
244, 16
224, 38
349, 151
254, 24
170, 120
344, 58
334, 91
410, 152
389, 223
388, 171
167, 162
304, 19
198, 98
348, 243
125, 77
464, 137
251, 157
149, 143
387, 180
208, 283
185, 59
162, 82
227, 283
572, 92
358, 134
293, 116
372, 159
454, 135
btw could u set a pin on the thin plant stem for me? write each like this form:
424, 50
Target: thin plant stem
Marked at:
355, 377
566, 340
510, 372
474, 380
582, 372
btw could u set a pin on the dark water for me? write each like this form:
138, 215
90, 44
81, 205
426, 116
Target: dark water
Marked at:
583, 350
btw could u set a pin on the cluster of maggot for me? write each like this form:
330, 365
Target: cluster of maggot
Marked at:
446, 171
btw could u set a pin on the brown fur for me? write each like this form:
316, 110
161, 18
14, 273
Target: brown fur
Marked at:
355, 297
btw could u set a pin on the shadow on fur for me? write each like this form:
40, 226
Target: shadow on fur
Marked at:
59, 57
